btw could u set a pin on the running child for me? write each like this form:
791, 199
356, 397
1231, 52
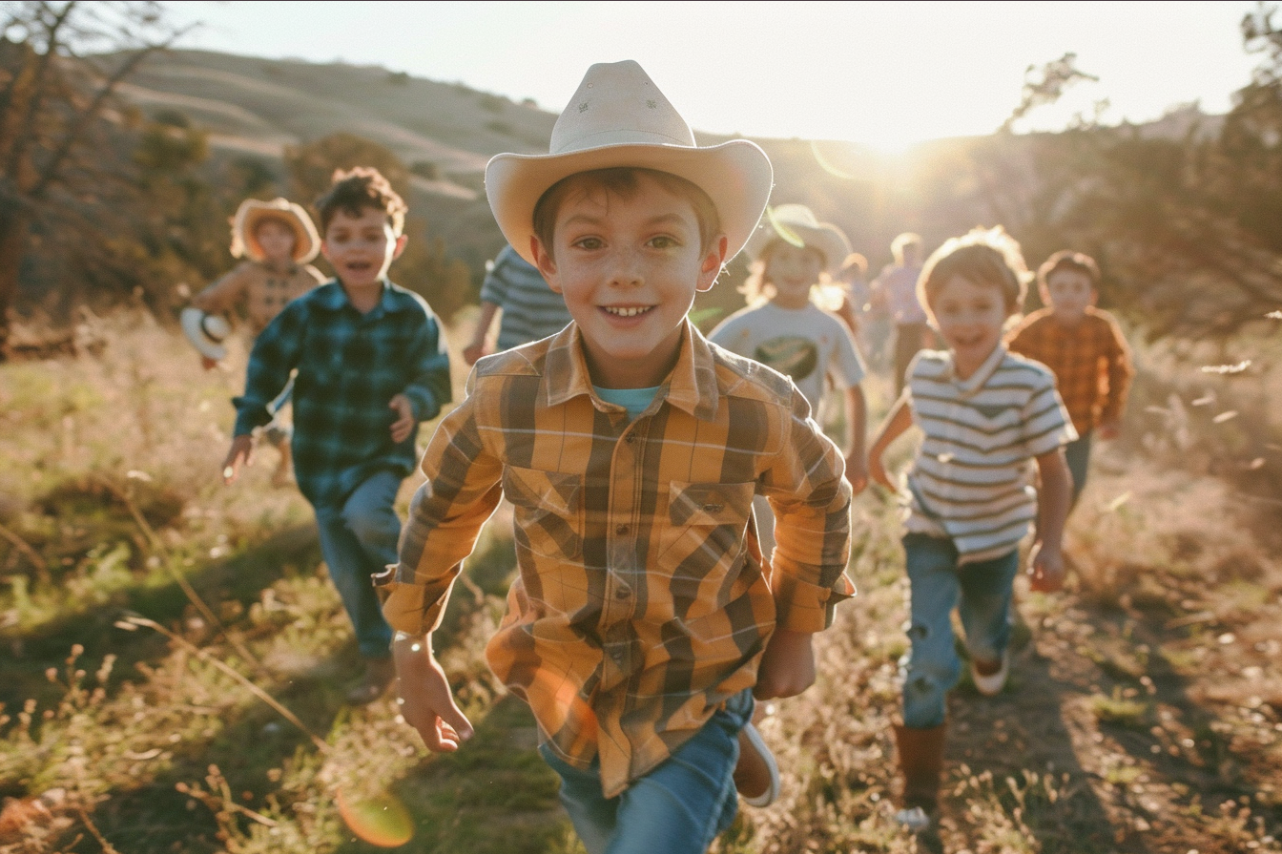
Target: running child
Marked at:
1085, 349
784, 328
371, 364
643, 616
985, 414
277, 240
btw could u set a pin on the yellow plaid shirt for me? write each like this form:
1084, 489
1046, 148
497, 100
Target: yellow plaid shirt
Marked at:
642, 601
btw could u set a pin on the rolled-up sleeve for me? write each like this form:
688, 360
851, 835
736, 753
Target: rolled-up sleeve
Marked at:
810, 496
446, 515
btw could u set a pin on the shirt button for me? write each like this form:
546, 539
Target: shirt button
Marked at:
621, 593
621, 529
630, 439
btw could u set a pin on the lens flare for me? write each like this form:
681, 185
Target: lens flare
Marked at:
380, 820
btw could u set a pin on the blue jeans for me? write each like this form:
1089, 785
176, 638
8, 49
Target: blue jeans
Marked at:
1078, 456
982, 594
677, 808
358, 540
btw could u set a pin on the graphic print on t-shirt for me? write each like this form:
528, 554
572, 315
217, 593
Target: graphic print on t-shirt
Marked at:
792, 355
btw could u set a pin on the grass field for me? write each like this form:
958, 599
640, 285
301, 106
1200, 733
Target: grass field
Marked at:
173, 657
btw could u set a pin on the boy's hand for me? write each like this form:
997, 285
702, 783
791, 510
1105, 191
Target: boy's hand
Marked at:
241, 453
1046, 570
787, 666
473, 352
856, 472
404, 422
427, 704
1109, 430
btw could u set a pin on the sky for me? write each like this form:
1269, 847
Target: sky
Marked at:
881, 74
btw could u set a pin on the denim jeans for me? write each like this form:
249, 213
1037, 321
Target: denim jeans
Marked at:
358, 540
1078, 456
677, 808
982, 594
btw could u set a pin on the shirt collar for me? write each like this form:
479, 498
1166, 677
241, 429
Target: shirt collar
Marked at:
332, 296
975, 381
691, 387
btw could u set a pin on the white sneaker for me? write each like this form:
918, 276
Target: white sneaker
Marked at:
755, 743
914, 819
992, 684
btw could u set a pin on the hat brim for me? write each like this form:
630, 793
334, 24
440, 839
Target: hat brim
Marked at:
736, 175
190, 318
827, 238
306, 241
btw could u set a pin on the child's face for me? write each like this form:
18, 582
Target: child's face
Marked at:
793, 270
1068, 293
361, 248
276, 240
629, 269
969, 316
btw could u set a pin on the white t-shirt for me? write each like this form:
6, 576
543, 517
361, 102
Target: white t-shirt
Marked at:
807, 344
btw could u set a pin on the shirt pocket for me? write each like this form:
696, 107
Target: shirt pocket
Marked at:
704, 539
547, 510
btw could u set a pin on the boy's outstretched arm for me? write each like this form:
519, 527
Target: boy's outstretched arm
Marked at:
787, 666
426, 701
857, 425
897, 421
1047, 569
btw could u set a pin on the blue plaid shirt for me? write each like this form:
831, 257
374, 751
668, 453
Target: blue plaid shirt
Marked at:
350, 365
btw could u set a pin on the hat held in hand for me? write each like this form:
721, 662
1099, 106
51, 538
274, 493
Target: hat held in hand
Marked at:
619, 118
206, 332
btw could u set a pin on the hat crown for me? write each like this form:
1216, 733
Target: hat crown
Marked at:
794, 214
618, 104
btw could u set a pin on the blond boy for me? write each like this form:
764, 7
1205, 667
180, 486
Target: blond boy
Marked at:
643, 616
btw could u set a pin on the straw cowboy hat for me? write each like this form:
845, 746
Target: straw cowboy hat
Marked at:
206, 332
797, 222
618, 117
252, 211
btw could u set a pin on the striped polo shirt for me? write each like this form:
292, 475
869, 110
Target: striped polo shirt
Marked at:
972, 480
531, 309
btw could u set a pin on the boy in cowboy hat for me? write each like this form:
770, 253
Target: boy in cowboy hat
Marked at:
371, 363
277, 240
644, 616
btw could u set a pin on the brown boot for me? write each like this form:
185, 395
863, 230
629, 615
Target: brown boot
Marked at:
921, 760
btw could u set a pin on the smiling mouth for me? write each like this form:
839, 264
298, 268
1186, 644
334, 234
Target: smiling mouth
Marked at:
359, 265
627, 311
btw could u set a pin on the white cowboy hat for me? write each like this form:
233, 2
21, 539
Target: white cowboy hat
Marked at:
253, 211
618, 117
206, 332
791, 223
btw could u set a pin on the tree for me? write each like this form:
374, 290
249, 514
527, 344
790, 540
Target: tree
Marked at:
60, 65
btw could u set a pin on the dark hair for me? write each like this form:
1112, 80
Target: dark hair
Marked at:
623, 181
1067, 259
985, 256
359, 189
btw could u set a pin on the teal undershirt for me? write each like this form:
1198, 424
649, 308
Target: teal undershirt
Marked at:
634, 400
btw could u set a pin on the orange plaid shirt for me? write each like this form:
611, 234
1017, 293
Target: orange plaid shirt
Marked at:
1090, 360
642, 601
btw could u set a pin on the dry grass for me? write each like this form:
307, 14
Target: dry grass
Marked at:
1144, 713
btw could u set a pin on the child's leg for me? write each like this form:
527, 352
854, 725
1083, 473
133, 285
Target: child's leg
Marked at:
356, 543
1078, 456
931, 666
986, 605
678, 808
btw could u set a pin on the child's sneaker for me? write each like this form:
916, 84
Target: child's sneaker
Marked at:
757, 775
990, 683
